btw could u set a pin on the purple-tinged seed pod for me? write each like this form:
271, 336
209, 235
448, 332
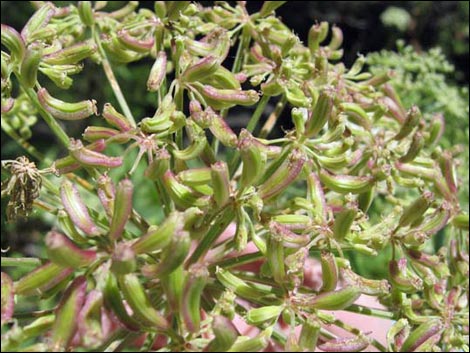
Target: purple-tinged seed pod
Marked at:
65, 325
88, 157
116, 119
122, 208
62, 251
345, 344
77, 209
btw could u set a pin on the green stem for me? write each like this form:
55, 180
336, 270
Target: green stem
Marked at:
20, 262
355, 308
112, 79
21, 141
48, 118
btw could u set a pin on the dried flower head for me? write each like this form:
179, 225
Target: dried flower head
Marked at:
23, 187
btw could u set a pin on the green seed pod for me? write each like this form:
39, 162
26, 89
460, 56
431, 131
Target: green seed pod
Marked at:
122, 209
85, 11
220, 183
175, 9
254, 344
77, 209
174, 253
12, 40
37, 22
64, 110
283, 176
198, 142
416, 209
269, 7
197, 279
225, 334
275, 254
63, 252
421, 334
357, 115
402, 279
320, 114
201, 69
88, 157
226, 98
69, 229
330, 272
345, 184
220, 129
160, 9
116, 119
67, 311
135, 44
263, 314
309, 334
72, 54
113, 302
222, 78
195, 176
95, 133
243, 288
183, 196
158, 238
365, 200
30, 65
316, 35
159, 166
413, 117
461, 221
157, 72
397, 334
336, 38
355, 344
173, 286
41, 279
272, 88
365, 285
335, 300
417, 144
254, 160
436, 129
344, 221
123, 259
436, 221
135, 295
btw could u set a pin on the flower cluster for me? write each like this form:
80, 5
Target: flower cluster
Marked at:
244, 223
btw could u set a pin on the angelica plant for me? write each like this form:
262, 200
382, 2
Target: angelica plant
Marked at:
245, 217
